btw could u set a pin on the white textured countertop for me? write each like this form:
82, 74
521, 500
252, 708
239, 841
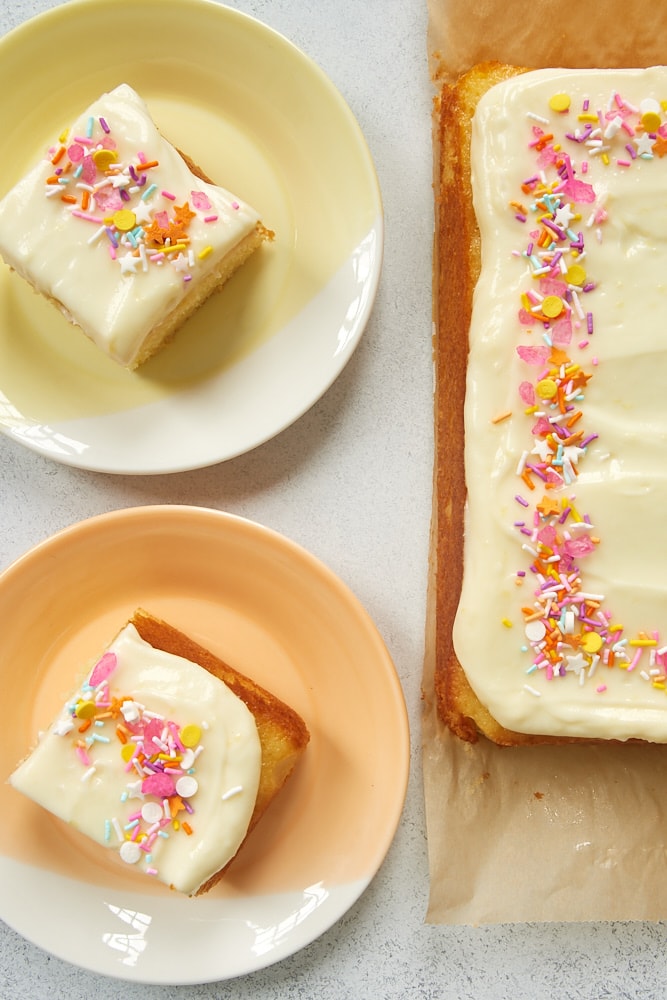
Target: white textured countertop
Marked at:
350, 481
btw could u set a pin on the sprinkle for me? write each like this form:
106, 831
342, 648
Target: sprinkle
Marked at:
231, 792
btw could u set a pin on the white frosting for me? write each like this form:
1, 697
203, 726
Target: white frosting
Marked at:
622, 481
220, 781
116, 301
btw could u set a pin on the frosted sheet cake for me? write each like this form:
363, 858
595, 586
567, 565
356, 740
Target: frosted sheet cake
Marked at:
164, 755
123, 232
560, 632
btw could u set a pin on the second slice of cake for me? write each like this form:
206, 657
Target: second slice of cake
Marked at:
165, 755
122, 231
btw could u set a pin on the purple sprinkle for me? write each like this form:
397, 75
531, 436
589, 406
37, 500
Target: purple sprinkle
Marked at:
105, 127
589, 323
521, 500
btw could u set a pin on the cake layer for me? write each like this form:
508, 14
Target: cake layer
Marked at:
560, 624
119, 232
154, 758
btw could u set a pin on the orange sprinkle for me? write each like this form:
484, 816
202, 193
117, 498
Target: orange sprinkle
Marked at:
121, 734
86, 724
527, 480
501, 416
85, 200
58, 156
52, 179
148, 164
68, 198
188, 829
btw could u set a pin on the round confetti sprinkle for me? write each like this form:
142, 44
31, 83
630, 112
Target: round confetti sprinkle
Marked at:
575, 275
124, 220
186, 786
85, 709
535, 631
591, 642
104, 158
151, 812
651, 121
559, 102
552, 306
130, 852
127, 751
190, 735
547, 388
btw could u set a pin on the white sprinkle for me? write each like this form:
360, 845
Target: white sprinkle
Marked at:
236, 790
88, 774
532, 690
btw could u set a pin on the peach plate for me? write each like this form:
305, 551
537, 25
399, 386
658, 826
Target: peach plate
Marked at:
274, 611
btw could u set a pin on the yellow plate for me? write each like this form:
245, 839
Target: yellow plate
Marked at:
264, 121
277, 614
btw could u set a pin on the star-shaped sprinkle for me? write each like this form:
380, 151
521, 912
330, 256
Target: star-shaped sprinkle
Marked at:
128, 264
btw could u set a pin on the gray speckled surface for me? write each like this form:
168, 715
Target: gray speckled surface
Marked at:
351, 482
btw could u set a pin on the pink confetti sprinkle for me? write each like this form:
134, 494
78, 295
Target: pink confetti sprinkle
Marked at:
200, 201
103, 669
161, 785
533, 355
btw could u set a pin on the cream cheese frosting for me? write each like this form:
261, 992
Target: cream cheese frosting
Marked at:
98, 225
562, 621
154, 758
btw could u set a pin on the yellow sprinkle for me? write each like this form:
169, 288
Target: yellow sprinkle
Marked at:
127, 751
617, 628
642, 642
605, 159
190, 735
546, 388
587, 117
651, 121
205, 252
559, 102
173, 248
591, 642
85, 709
552, 306
104, 158
506, 622
660, 685
124, 220
575, 275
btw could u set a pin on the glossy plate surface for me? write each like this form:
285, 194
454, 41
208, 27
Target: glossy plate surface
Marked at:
276, 613
264, 121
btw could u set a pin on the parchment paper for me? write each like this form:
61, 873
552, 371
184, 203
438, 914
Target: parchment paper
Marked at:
541, 833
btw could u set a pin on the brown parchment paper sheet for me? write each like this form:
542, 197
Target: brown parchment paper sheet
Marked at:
541, 833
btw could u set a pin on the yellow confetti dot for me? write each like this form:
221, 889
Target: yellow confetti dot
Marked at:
651, 121
85, 709
127, 751
575, 275
546, 388
591, 642
104, 158
190, 735
552, 306
559, 102
124, 220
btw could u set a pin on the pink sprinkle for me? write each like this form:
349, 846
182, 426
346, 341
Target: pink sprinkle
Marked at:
624, 163
83, 756
583, 344
169, 195
601, 688
87, 217
235, 205
211, 218
103, 669
160, 785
